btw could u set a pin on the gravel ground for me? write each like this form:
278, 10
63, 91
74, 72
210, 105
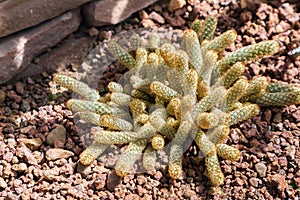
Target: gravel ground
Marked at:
40, 146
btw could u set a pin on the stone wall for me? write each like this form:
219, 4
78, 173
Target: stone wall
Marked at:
29, 27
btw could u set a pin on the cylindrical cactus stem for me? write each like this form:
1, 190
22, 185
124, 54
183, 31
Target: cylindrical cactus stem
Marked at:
214, 171
146, 131
168, 51
90, 117
193, 49
202, 89
210, 59
190, 82
137, 107
161, 59
227, 152
77, 105
209, 28
231, 75
141, 56
182, 61
234, 94
175, 161
115, 137
141, 84
187, 103
182, 133
173, 107
280, 87
255, 86
123, 56
204, 144
248, 53
154, 41
142, 118
120, 98
277, 99
77, 86
208, 102
91, 153
153, 59
170, 128
197, 26
135, 42
207, 120
115, 123
109, 121
158, 142
141, 95
223, 116
115, 87
158, 118
243, 113
163, 91
130, 156
149, 158
221, 42
219, 134
175, 79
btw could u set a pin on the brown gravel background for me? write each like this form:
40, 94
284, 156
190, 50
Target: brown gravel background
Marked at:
39, 146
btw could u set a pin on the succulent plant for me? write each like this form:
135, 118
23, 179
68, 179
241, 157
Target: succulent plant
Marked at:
174, 94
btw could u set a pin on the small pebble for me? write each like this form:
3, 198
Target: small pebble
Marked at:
33, 143
2, 96
3, 184
57, 134
261, 169
54, 154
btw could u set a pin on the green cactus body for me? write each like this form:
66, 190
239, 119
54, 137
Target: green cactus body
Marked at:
171, 95
158, 142
214, 171
193, 49
248, 53
77, 86
77, 105
163, 91
115, 87
277, 99
234, 94
243, 113
209, 28
122, 55
197, 26
205, 145
219, 134
228, 152
130, 156
92, 152
221, 42
175, 161
149, 158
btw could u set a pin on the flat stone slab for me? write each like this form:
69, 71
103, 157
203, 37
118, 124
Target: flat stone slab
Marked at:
17, 51
73, 51
104, 12
16, 15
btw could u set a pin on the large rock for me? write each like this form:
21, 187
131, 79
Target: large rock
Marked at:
17, 51
71, 52
16, 15
104, 12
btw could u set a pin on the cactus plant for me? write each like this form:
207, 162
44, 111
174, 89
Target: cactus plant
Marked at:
173, 94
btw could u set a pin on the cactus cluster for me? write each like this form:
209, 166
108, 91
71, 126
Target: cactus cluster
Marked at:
171, 95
